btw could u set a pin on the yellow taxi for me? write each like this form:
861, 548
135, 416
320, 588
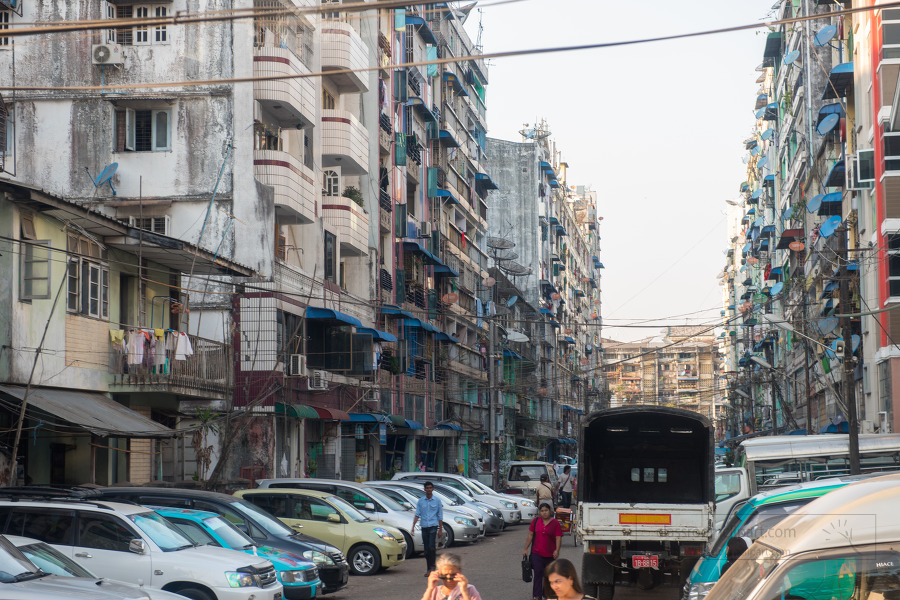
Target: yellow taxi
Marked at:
368, 545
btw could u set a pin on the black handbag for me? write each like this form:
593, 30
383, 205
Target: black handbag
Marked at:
527, 572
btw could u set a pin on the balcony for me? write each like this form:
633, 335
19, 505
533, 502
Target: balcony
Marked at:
295, 186
345, 142
343, 50
207, 373
290, 101
349, 221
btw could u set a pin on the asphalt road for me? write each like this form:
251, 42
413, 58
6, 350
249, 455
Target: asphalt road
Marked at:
491, 565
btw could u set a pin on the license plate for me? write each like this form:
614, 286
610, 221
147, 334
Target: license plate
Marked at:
643, 561
277, 596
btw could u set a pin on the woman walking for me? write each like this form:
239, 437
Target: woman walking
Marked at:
560, 581
544, 540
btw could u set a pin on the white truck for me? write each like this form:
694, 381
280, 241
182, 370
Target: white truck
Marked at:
646, 495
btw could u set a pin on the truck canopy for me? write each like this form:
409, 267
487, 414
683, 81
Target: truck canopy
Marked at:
646, 454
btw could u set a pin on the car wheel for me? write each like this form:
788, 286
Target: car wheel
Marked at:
364, 560
196, 594
410, 551
448, 536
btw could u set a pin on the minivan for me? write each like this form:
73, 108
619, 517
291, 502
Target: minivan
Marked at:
523, 476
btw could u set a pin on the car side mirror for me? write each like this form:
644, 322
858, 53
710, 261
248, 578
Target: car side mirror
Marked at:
334, 518
369, 506
137, 546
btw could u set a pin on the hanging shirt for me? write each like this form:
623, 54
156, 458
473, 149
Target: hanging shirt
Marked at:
183, 347
135, 343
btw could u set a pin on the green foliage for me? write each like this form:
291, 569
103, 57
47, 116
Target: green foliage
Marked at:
354, 194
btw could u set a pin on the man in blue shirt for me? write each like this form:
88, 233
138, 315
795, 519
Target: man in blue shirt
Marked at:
431, 512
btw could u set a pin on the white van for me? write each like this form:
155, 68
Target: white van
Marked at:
842, 546
523, 476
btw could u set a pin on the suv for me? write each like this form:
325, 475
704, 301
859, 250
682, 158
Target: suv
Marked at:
508, 507
371, 503
136, 545
22, 579
260, 526
523, 476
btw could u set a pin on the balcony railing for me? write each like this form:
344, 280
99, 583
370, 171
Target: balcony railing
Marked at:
349, 221
294, 184
343, 51
208, 372
291, 100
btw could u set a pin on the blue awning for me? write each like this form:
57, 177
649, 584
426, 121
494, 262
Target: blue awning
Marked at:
485, 180
835, 175
512, 354
448, 139
413, 424
766, 230
771, 113
419, 105
445, 337
440, 193
545, 166
751, 212
427, 257
568, 340
546, 311
457, 84
452, 426
547, 286
369, 418
776, 274
554, 322
769, 180
829, 288
599, 265
564, 440
840, 78
832, 204
422, 325
560, 230
422, 26
378, 336
744, 186
578, 292
314, 312
554, 183
390, 309
554, 221
444, 271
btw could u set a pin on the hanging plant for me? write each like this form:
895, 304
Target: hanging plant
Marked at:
354, 194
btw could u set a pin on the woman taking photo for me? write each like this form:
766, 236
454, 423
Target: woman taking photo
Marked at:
561, 581
544, 540
447, 581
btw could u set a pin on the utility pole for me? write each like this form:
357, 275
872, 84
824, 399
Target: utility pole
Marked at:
492, 417
847, 334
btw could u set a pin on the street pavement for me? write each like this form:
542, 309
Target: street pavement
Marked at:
492, 565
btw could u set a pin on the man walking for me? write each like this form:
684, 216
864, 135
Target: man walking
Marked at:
565, 487
431, 513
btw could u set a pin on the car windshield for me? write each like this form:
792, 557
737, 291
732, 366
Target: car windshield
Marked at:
389, 502
51, 560
483, 488
260, 517
231, 535
762, 519
164, 534
728, 484
348, 509
14, 566
527, 472
746, 573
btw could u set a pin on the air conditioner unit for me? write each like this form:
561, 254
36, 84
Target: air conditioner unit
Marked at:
107, 54
297, 366
425, 229
158, 225
317, 380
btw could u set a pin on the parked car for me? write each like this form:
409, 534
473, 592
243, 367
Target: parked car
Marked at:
130, 543
369, 545
523, 476
260, 526
493, 520
372, 503
508, 507
33, 570
449, 537
752, 519
526, 505
464, 527
840, 546
299, 576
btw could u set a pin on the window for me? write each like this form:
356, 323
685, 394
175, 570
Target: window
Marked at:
890, 34
141, 35
893, 243
34, 266
160, 36
138, 35
194, 532
143, 130
328, 102
266, 137
103, 532
47, 525
330, 257
88, 278
4, 26
331, 183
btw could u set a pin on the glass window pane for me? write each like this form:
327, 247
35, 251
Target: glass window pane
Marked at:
891, 32
649, 475
894, 265
635, 474
893, 240
162, 129
894, 285
892, 145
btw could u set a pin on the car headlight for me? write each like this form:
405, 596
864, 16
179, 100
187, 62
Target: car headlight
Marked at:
508, 505
485, 510
698, 591
527, 503
239, 579
320, 558
384, 534
300, 576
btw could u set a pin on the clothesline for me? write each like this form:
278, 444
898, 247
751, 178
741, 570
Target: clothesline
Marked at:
154, 349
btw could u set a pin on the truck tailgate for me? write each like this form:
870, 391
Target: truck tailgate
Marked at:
690, 522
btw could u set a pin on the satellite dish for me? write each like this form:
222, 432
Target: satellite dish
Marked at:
767, 133
776, 289
814, 203
105, 176
450, 298
825, 35
830, 225
790, 57
755, 151
828, 325
511, 301
763, 162
721, 275
498, 243
516, 336
488, 282
828, 123
506, 255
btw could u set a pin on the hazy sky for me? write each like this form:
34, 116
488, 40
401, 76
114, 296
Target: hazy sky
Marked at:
656, 129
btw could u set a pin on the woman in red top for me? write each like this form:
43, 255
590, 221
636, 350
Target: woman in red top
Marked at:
544, 540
